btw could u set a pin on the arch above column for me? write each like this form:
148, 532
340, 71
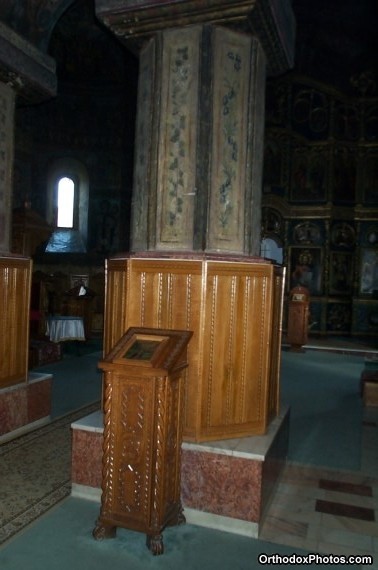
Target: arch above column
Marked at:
27, 70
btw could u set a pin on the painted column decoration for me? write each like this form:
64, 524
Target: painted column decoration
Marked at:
230, 122
143, 140
181, 182
238, 126
177, 156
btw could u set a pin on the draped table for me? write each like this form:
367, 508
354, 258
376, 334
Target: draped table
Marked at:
65, 328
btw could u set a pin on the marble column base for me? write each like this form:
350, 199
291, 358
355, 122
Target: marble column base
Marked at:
226, 485
25, 406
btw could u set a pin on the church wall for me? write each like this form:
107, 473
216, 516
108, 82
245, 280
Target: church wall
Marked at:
73, 128
99, 136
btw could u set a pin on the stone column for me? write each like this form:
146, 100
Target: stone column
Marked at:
196, 202
200, 124
199, 138
7, 99
28, 74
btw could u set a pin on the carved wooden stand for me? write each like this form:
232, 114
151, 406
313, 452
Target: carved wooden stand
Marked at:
297, 328
143, 407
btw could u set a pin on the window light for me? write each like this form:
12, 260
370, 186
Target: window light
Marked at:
66, 194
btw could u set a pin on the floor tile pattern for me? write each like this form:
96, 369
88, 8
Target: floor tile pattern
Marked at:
343, 510
364, 490
316, 509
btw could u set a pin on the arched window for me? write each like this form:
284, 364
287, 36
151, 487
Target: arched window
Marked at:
65, 203
67, 206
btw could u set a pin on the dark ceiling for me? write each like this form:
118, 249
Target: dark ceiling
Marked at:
86, 52
337, 42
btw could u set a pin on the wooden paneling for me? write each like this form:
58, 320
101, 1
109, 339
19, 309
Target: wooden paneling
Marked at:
115, 302
275, 348
234, 310
235, 355
15, 285
169, 295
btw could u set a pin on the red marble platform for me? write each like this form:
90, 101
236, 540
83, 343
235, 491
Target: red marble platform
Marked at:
225, 484
26, 405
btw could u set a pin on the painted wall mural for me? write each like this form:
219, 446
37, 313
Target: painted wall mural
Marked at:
309, 174
310, 111
369, 272
306, 269
370, 175
341, 273
327, 142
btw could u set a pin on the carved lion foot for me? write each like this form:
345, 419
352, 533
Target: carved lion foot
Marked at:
101, 531
155, 544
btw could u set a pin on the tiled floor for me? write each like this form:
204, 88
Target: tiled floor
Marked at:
329, 511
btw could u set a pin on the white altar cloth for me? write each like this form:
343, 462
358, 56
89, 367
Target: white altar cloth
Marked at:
65, 328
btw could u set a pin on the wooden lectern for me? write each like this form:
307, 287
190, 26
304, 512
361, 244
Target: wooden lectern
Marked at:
143, 409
